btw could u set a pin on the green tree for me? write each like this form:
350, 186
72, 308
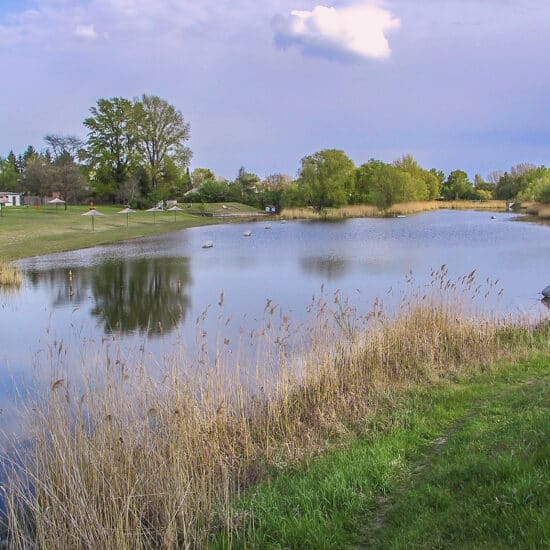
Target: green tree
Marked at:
514, 183
426, 184
111, 145
457, 186
68, 179
39, 175
327, 178
201, 175
161, 134
389, 185
9, 174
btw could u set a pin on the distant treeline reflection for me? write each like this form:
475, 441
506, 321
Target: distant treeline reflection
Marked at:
146, 294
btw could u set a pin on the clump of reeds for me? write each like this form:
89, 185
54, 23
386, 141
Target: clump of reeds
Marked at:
134, 459
370, 211
10, 276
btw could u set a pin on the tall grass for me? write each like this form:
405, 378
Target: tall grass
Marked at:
150, 456
10, 276
369, 211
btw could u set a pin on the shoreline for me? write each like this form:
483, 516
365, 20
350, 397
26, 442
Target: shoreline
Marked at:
30, 233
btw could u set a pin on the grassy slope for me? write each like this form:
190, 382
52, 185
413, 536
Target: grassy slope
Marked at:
28, 232
462, 466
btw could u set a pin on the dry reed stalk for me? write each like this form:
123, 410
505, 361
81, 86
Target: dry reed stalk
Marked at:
406, 208
129, 459
544, 212
10, 276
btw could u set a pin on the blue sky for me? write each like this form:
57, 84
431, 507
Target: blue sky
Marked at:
456, 83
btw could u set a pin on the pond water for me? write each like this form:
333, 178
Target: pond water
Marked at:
150, 292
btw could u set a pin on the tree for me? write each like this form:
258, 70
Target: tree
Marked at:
389, 185
9, 174
327, 178
426, 184
201, 175
64, 145
457, 186
161, 132
39, 176
68, 179
514, 183
111, 145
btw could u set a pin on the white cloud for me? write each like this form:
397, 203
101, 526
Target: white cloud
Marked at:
85, 31
357, 31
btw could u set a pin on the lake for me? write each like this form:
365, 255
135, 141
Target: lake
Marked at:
148, 293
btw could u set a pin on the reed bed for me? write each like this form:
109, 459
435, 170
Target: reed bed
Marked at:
10, 276
406, 208
139, 455
540, 210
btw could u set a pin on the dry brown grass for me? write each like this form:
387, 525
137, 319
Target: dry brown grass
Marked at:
369, 211
10, 276
136, 459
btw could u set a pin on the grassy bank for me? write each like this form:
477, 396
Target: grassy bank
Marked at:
454, 465
31, 232
129, 454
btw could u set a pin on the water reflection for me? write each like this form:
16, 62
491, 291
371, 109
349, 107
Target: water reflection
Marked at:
145, 295
328, 268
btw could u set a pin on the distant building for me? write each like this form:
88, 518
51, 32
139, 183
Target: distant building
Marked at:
10, 199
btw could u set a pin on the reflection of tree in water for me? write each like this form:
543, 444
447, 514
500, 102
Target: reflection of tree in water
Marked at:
329, 268
144, 294
62, 289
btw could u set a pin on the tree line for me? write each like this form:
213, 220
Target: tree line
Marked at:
135, 153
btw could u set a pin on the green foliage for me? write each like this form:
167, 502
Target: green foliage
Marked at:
9, 174
458, 186
160, 133
537, 190
292, 196
515, 183
111, 146
327, 178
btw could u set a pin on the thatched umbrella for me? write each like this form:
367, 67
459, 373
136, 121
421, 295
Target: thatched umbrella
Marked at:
154, 210
175, 209
93, 213
127, 211
57, 202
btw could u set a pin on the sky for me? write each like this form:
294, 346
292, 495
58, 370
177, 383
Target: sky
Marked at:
459, 84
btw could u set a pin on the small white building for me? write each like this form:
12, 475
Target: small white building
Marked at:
10, 199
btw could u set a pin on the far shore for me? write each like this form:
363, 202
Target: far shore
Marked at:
28, 232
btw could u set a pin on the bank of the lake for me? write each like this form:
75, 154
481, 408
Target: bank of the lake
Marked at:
148, 455
28, 232
453, 465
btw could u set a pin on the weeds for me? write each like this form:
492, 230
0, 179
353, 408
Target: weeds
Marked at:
10, 276
369, 211
147, 456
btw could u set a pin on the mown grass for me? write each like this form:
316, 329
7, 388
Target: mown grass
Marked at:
408, 208
460, 465
122, 453
30, 232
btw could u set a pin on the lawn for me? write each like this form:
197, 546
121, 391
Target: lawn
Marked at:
464, 465
29, 231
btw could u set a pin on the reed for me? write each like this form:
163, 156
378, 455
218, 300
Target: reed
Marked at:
10, 276
126, 457
370, 211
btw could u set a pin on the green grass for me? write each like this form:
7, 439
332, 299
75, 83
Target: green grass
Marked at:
458, 466
30, 232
